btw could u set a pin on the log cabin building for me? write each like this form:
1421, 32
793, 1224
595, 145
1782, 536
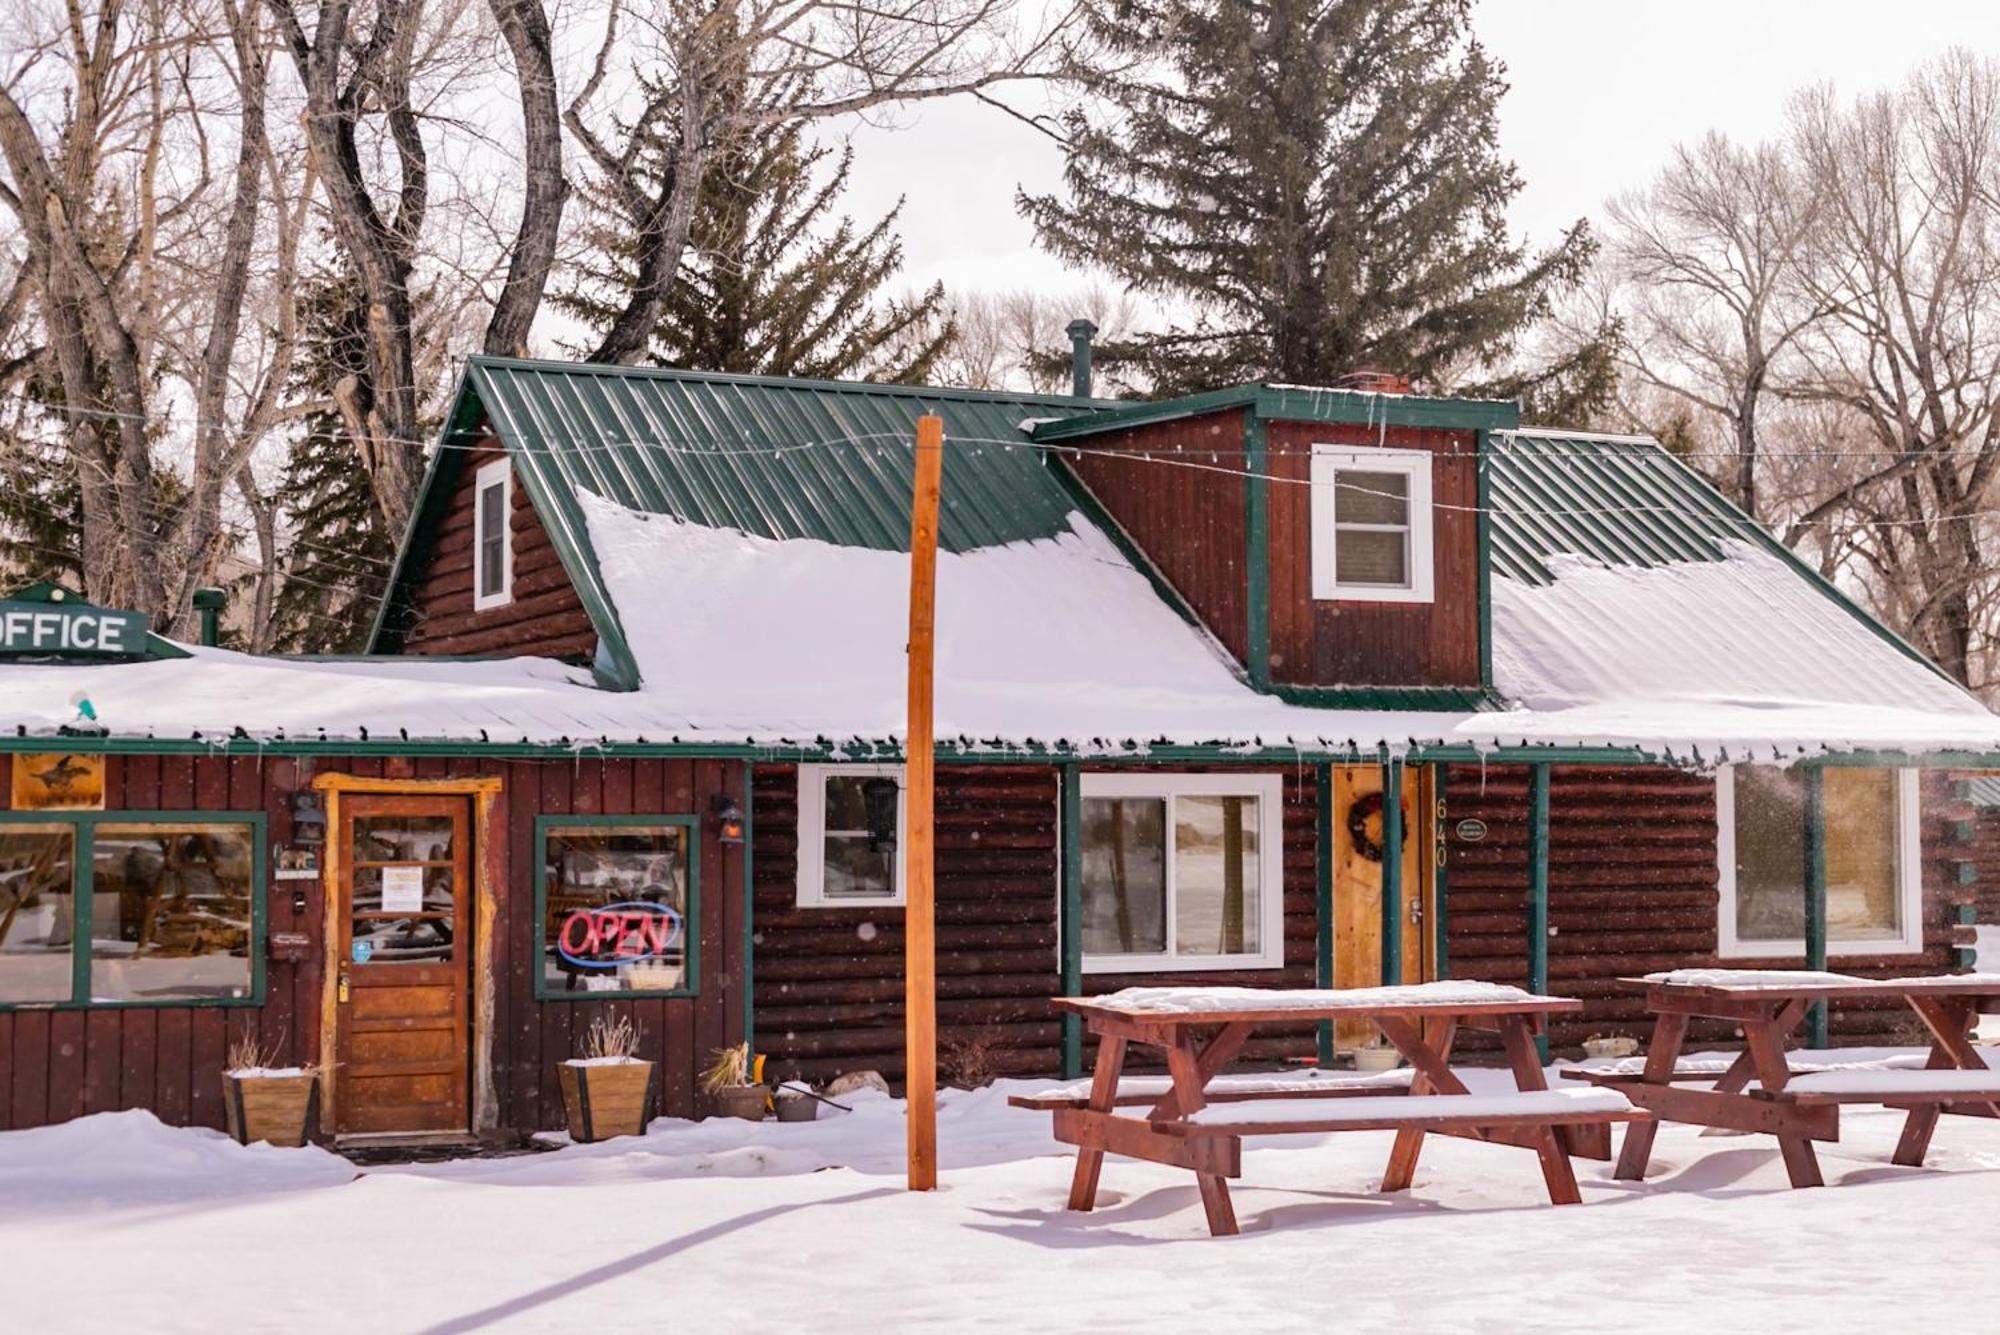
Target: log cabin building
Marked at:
1275, 685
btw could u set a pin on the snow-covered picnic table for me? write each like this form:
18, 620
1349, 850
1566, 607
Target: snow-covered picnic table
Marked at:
1200, 1029
1799, 1104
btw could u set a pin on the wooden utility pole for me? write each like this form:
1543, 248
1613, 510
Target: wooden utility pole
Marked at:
919, 911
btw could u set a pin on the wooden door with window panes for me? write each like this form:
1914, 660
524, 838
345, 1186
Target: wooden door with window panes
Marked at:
403, 978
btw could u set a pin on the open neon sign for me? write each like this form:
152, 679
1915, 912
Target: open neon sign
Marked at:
604, 938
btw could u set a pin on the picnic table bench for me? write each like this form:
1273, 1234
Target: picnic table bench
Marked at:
1197, 1118
1799, 1102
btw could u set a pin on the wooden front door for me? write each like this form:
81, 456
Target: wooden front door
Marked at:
1357, 883
402, 989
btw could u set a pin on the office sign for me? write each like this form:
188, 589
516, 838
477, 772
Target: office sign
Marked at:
51, 630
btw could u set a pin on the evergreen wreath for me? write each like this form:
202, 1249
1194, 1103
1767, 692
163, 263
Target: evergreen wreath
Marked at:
1359, 813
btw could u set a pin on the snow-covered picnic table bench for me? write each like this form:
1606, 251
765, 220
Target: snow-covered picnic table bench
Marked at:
1197, 1118
1799, 1102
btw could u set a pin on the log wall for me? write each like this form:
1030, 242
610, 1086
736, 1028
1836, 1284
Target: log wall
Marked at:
1633, 888
545, 618
58, 1064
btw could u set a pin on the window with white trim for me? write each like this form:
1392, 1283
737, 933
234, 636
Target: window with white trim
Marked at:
1874, 877
851, 820
1182, 871
1371, 524
492, 536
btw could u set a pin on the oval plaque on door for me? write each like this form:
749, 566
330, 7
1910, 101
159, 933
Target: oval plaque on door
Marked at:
1470, 830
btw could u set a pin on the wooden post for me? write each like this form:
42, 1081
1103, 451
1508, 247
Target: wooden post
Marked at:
1813, 780
1392, 873
919, 915
1538, 889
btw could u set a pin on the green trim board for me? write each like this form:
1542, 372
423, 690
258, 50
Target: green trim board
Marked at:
1292, 403
1812, 782
1257, 553
1538, 888
1069, 824
1483, 540
84, 903
1392, 873
691, 925
1419, 699
749, 964
1323, 898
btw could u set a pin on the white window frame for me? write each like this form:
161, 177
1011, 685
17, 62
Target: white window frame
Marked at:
1417, 466
1269, 790
812, 835
1909, 881
501, 473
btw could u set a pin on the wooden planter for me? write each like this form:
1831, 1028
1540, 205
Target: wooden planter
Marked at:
606, 1101
278, 1109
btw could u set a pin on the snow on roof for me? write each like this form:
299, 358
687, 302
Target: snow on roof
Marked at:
754, 640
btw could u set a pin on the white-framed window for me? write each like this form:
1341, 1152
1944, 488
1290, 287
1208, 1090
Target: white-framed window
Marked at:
492, 536
850, 843
1182, 871
1874, 863
1371, 524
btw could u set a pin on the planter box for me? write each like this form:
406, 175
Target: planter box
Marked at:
613, 1099
278, 1109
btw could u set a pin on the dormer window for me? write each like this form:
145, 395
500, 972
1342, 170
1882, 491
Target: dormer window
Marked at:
1371, 524
492, 540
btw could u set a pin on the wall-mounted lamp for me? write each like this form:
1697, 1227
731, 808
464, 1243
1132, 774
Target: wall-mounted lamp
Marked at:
308, 821
728, 818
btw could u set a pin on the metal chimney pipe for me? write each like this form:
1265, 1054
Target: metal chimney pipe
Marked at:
210, 602
1081, 331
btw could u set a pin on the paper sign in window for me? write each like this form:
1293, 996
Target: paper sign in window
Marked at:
402, 889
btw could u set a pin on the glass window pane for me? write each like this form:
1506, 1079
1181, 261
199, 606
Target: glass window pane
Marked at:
1862, 901
171, 911
1215, 876
1124, 875
856, 868
403, 839
617, 909
37, 911
1371, 498
1770, 855
492, 538
1371, 556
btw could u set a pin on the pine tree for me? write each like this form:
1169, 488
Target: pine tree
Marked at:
768, 287
337, 564
41, 505
1318, 182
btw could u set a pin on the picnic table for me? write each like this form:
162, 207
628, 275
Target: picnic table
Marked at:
1199, 1118
1797, 1101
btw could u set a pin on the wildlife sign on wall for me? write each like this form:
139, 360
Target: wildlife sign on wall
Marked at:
61, 782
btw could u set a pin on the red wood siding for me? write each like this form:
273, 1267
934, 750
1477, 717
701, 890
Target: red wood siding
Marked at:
1984, 850
1190, 521
1374, 644
829, 981
1633, 888
546, 618
61, 1064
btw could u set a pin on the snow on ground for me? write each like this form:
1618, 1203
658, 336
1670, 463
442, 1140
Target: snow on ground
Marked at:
116, 1223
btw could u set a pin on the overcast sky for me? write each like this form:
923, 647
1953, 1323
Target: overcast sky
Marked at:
1601, 89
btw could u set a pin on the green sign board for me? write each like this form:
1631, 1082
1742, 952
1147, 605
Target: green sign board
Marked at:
53, 630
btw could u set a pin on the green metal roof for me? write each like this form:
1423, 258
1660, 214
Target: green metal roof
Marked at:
1622, 500
1294, 403
771, 456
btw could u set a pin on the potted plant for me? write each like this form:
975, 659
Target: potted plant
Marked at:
607, 1091
267, 1102
728, 1081
1377, 1056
